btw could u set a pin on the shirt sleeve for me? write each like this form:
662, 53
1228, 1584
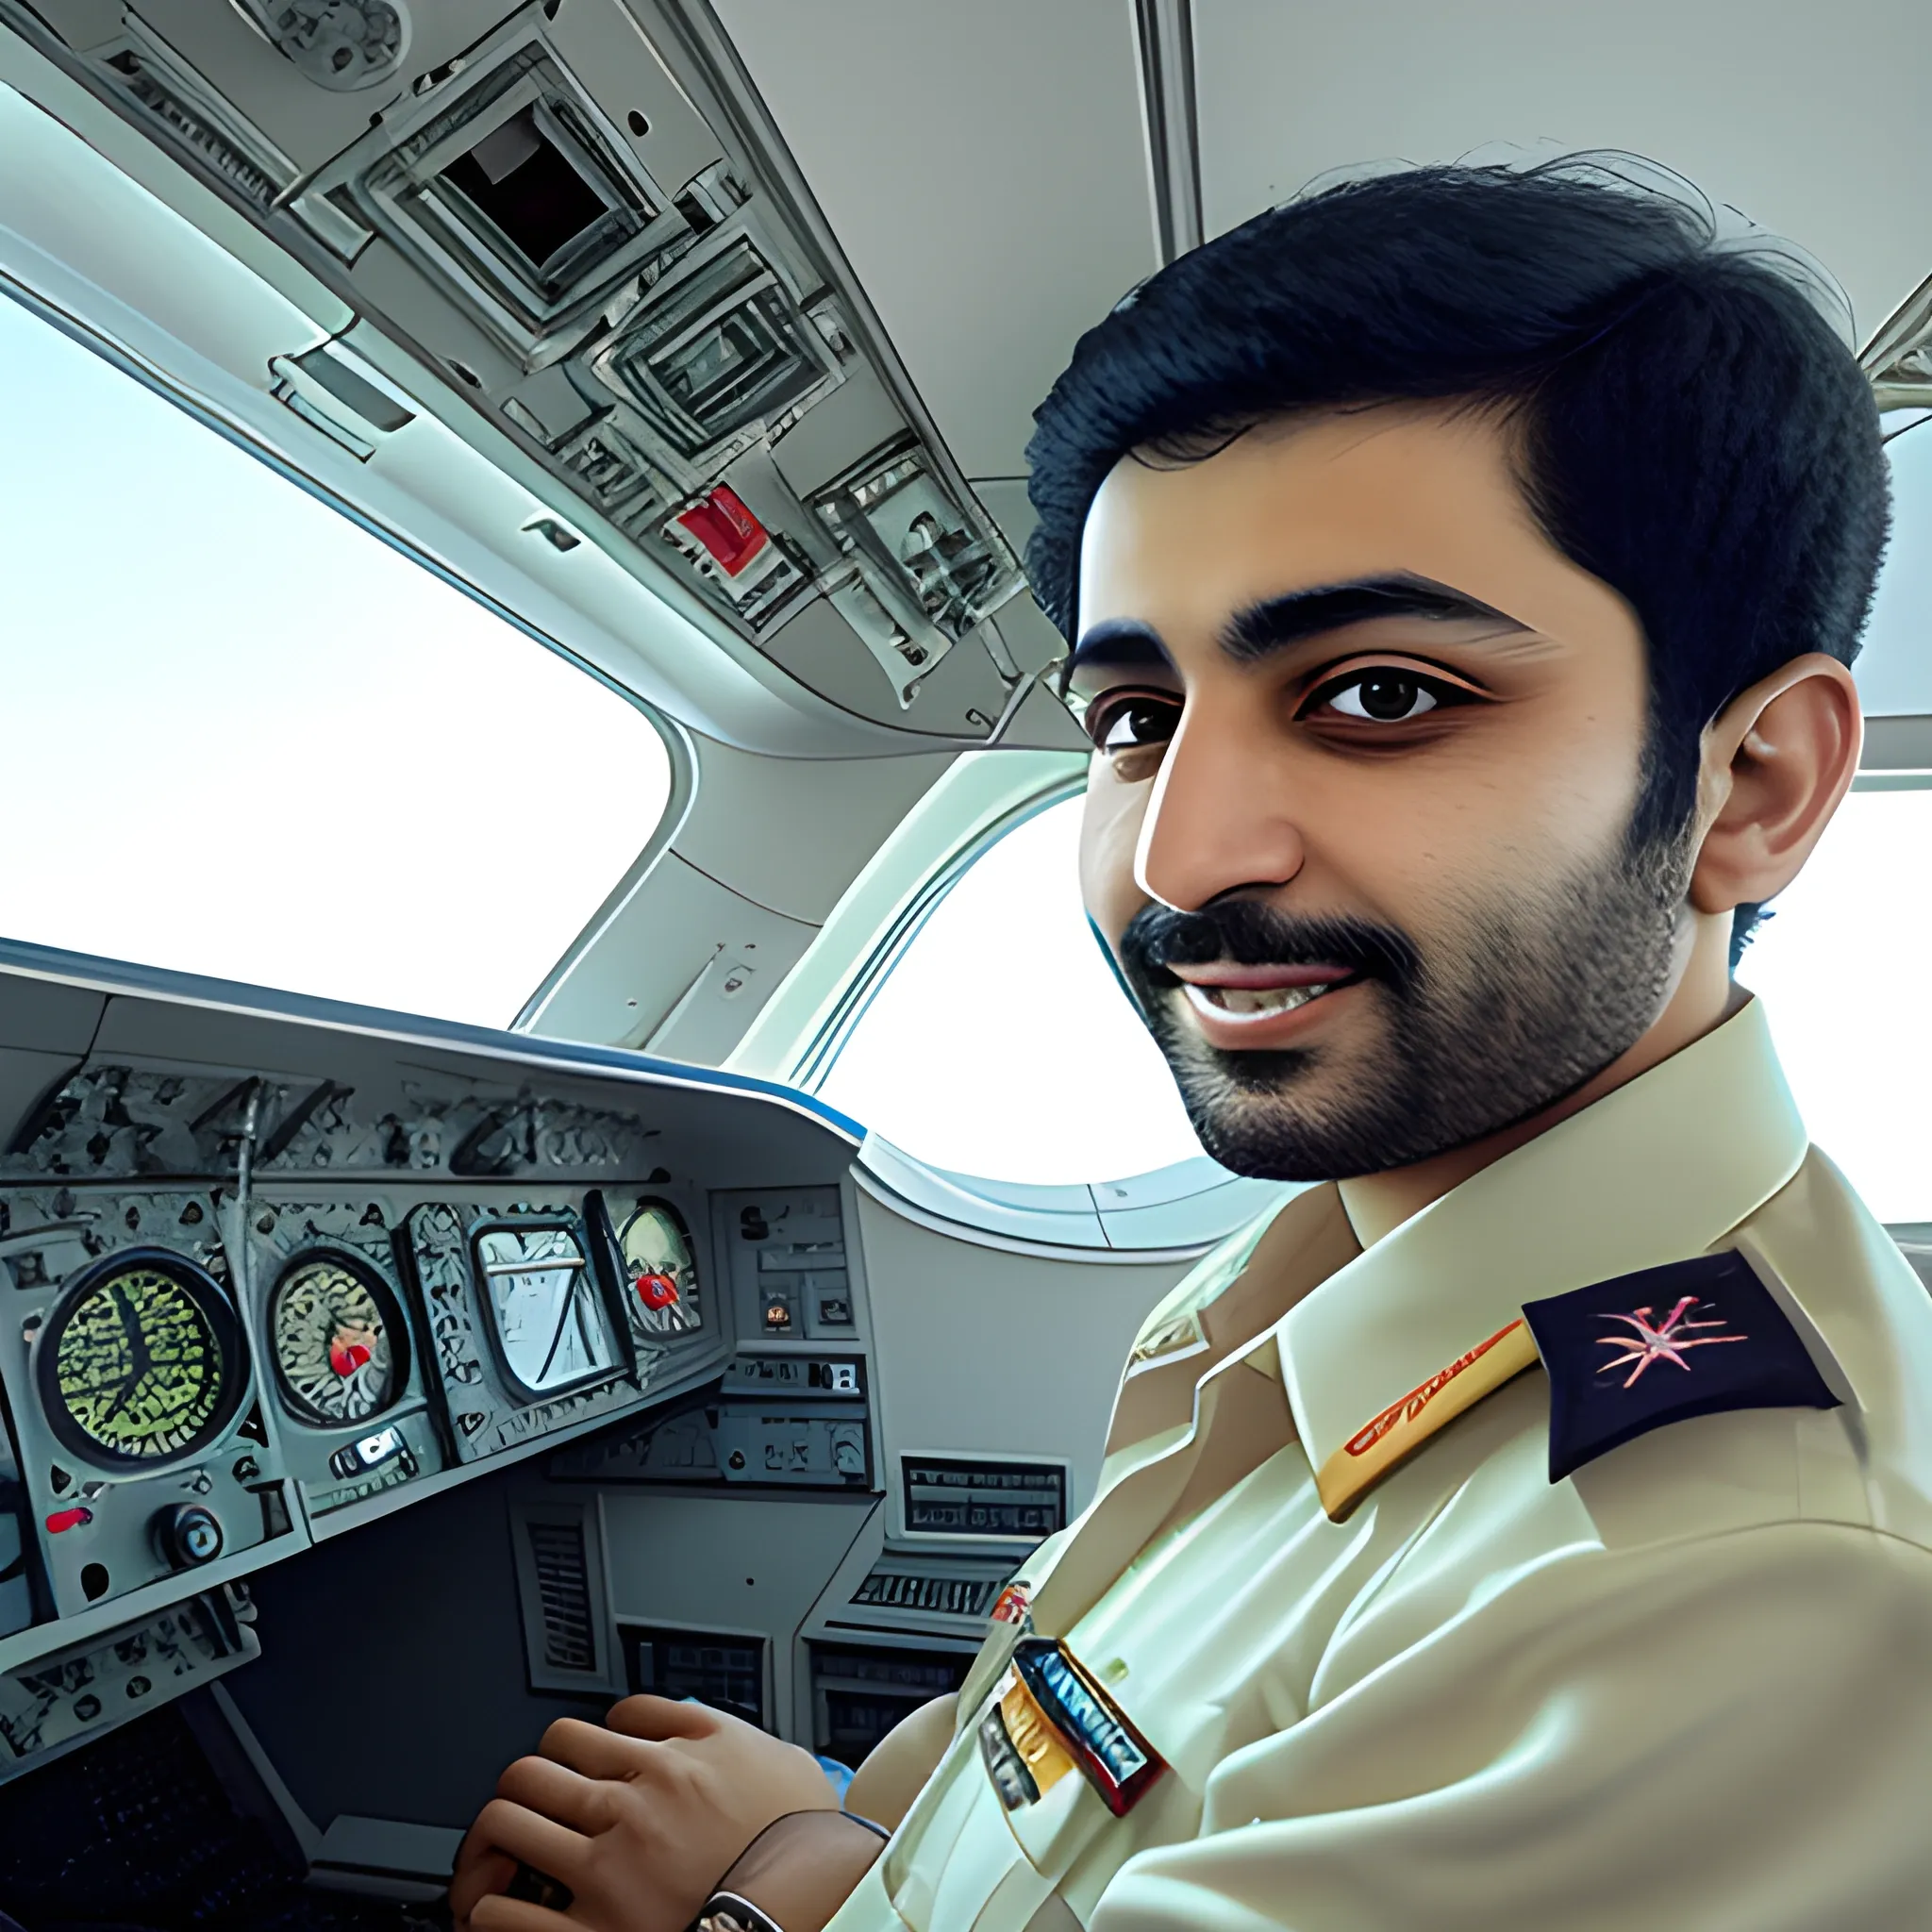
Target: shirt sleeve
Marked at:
1729, 1732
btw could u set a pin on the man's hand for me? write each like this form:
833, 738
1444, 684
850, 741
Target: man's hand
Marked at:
639, 1820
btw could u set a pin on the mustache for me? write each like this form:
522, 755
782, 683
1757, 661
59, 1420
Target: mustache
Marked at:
1251, 934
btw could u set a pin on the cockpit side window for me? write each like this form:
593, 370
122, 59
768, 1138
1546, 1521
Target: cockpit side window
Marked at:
1840, 965
249, 739
1001, 1044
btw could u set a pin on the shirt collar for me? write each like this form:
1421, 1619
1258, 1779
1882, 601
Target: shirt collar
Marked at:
1654, 1172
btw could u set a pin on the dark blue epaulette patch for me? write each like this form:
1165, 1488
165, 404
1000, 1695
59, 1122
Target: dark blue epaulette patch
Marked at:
1694, 1337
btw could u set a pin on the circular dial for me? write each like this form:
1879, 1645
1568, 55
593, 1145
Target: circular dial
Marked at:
141, 1361
330, 1335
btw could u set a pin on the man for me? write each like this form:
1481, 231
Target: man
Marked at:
1530, 1526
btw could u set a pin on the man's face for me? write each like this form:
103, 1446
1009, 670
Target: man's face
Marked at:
1368, 746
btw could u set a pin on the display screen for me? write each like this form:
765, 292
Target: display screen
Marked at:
142, 1362
334, 1337
550, 1321
660, 1277
950, 1496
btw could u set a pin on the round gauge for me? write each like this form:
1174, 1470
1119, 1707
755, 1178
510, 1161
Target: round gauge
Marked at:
142, 1362
660, 1277
332, 1334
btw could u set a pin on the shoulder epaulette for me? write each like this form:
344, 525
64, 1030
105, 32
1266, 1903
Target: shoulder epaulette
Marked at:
1174, 1324
1694, 1338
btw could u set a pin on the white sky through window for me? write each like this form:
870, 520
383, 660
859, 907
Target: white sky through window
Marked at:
1001, 1044
247, 739
1841, 966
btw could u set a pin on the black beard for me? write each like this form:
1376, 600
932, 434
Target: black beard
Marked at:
1524, 998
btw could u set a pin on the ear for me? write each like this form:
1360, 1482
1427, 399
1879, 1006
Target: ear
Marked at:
1777, 761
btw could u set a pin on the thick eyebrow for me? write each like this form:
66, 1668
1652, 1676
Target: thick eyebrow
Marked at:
1276, 623
1124, 642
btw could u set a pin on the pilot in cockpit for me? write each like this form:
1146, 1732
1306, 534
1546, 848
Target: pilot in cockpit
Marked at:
1532, 1524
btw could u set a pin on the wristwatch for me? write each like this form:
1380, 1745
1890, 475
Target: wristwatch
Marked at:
794, 1874
725, 1911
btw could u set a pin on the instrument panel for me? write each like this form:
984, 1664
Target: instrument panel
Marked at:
252, 1306
195, 1372
271, 1275
530, 1325
144, 1446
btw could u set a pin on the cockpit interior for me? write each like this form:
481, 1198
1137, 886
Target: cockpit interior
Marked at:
561, 1130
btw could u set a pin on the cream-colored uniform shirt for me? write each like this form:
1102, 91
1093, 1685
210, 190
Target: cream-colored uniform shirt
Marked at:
1690, 1685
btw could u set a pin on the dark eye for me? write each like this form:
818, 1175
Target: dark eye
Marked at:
1384, 697
1129, 722
1387, 700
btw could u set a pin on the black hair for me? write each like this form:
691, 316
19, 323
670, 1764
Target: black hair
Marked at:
1694, 431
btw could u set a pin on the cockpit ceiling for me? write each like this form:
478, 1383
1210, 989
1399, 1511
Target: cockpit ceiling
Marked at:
572, 212
986, 168
1808, 119
765, 295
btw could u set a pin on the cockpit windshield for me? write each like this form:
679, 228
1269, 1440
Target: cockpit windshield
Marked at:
258, 742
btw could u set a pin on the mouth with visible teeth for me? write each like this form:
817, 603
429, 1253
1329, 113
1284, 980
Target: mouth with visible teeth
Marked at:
1239, 1002
1228, 999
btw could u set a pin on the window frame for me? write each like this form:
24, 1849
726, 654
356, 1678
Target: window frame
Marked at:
682, 755
1167, 1213
821, 1051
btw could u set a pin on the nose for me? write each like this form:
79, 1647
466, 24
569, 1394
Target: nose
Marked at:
1215, 822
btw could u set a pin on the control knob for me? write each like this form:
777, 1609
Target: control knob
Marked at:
189, 1535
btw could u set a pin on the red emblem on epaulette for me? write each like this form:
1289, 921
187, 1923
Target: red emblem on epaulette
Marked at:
1659, 1341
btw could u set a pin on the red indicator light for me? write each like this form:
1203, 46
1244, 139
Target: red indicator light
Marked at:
346, 1358
68, 1519
655, 1291
722, 524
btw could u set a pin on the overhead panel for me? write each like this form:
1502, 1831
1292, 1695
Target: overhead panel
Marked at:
574, 212
1808, 119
